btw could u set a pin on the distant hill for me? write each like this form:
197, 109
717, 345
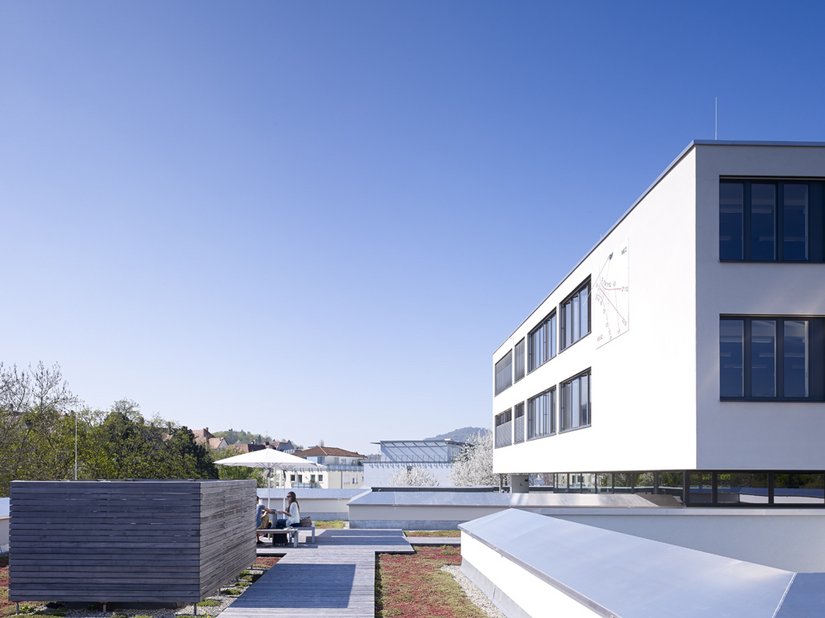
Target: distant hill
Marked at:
460, 435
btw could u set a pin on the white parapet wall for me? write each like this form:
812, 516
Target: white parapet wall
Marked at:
320, 504
791, 539
531, 565
445, 509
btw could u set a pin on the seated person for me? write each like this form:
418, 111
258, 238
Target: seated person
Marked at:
293, 512
261, 517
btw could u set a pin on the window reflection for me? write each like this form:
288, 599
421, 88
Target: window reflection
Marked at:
742, 488
763, 222
798, 488
731, 221
731, 354
795, 222
795, 358
763, 358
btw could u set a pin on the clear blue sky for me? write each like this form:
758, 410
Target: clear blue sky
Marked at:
319, 219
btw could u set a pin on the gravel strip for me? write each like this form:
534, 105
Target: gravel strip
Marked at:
120, 611
476, 596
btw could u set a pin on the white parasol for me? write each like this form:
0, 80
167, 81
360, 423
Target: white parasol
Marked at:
270, 459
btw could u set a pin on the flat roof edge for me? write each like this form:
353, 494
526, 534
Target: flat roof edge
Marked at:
693, 144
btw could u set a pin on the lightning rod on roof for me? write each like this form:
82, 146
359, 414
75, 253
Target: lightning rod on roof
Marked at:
715, 118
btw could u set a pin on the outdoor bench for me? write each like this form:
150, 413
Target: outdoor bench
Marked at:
291, 533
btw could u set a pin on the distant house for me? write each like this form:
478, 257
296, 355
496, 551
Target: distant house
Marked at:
436, 457
205, 438
285, 446
344, 469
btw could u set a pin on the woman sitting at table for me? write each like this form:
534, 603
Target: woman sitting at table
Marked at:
293, 512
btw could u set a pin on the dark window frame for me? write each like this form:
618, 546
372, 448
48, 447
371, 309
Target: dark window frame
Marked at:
529, 412
502, 439
816, 358
519, 429
548, 324
519, 360
815, 241
499, 386
570, 300
567, 383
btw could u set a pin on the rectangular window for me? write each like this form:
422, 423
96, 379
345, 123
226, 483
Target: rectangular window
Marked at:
798, 488
575, 316
731, 354
731, 220
763, 358
734, 488
504, 373
518, 420
504, 429
771, 358
541, 418
542, 342
763, 222
575, 402
795, 358
795, 222
771, 220
519, 361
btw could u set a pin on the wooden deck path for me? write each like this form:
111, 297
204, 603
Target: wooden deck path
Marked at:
335, 577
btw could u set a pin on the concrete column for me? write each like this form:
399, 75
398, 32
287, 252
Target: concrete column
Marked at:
519, 483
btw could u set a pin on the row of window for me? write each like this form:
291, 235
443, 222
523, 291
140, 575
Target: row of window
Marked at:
574, 411
773, 358
540, 345
699, 488
771, 220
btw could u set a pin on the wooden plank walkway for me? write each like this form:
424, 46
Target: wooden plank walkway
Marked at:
335, 577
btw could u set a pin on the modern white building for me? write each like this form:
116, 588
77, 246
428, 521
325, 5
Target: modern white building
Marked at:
343, 469
685, 353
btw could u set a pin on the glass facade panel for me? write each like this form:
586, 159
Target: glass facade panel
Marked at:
700, 488
518, 420
504, 373
542, 343
795, 222
567, 317
742, 488
731, 355
795, 358
575, 322
504, 429
763, 222
540, 414
763, 358
575, 402
767, 221
731, 221
575, 316
798, 488
518, 365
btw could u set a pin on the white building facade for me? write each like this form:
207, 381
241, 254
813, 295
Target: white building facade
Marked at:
342, 469
685, 353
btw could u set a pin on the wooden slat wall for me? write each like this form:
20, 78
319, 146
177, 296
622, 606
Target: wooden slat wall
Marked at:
227, 541
128, 541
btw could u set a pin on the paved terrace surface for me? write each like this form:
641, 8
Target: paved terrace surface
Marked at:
335, 577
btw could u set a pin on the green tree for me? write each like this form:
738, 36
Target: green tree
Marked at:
34, 403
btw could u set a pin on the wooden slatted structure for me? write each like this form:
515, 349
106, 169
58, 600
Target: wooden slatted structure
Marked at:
128, 541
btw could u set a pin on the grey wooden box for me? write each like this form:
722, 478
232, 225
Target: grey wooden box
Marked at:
168, 542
